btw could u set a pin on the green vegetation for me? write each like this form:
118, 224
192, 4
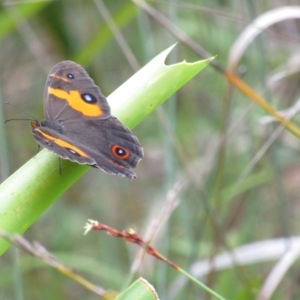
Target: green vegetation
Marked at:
214, 177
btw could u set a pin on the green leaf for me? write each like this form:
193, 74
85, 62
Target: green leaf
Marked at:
37, 184
140, 289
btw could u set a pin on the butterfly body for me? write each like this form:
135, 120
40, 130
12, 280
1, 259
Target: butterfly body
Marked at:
79, 127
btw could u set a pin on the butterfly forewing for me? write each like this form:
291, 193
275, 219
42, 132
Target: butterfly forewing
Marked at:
71, 93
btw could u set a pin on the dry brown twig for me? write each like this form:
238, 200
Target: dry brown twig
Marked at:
129, 236
39, 251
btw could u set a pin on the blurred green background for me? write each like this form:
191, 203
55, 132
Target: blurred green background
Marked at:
226, 200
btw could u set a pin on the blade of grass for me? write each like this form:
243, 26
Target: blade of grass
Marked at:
231, 77
26, 11
124, 15
140, 289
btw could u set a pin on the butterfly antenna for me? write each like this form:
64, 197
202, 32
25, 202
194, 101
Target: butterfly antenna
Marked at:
38, 149
22, 110
19, 120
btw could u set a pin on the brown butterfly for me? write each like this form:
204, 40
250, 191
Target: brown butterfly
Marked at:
79, 126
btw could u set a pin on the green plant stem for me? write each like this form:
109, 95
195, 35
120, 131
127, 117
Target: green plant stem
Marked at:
201, 284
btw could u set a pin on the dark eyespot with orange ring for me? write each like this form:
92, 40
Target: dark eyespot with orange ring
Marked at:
119, 152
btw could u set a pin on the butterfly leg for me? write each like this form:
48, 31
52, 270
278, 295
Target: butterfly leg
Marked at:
38, 149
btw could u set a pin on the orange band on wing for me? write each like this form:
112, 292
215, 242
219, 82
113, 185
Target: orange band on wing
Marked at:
74, 100
58, 77
62, 143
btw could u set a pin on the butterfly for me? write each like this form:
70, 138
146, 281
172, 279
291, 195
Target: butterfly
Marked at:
78, 125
